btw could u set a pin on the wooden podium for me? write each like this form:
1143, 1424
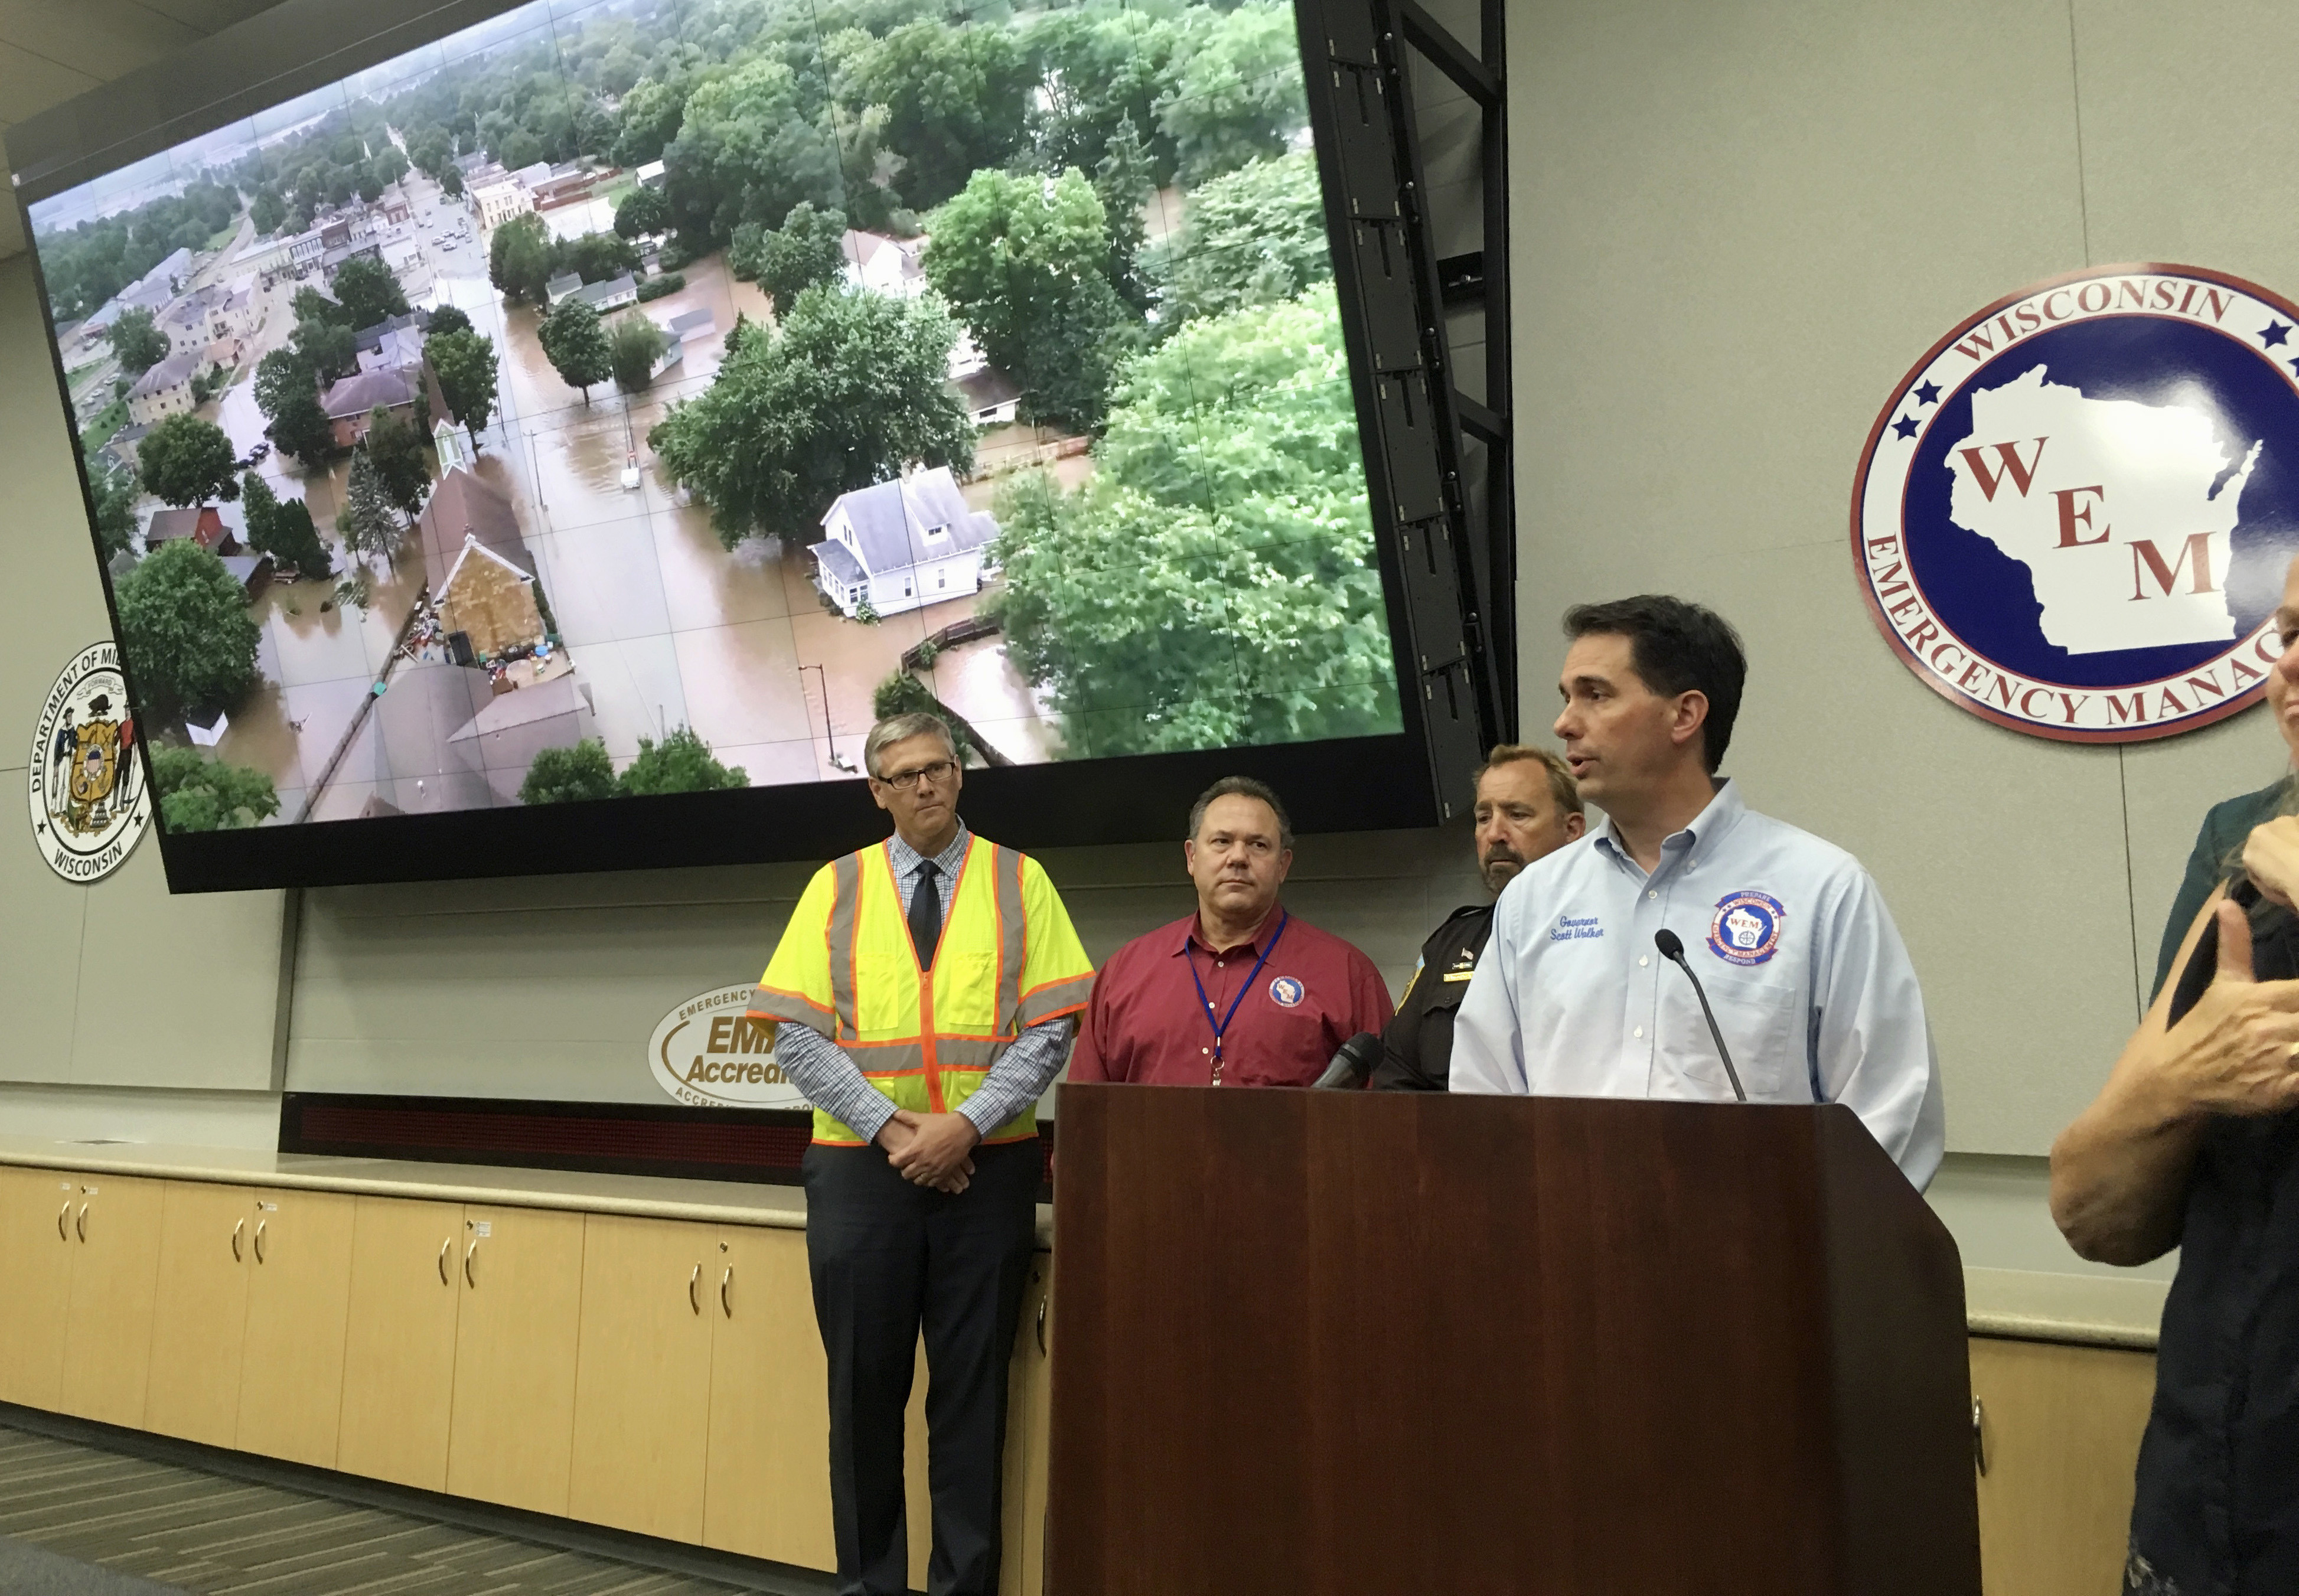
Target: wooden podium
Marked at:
1352, 1343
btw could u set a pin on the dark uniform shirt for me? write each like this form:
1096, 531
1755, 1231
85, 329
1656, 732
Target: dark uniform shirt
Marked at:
2216, 1510
2221, 835
1417, 1047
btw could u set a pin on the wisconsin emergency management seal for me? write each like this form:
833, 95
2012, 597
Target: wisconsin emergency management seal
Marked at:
90, 803
2074, 516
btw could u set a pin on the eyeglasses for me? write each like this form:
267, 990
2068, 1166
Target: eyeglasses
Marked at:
936, 774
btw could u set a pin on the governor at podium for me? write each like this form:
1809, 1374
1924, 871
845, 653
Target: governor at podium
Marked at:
1782, 934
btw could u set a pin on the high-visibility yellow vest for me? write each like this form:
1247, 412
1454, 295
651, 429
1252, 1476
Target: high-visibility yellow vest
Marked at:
1009, 959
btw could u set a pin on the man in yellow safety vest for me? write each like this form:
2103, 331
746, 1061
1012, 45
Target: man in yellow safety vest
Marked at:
922, 995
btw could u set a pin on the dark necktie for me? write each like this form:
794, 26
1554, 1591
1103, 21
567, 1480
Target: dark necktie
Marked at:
926, 915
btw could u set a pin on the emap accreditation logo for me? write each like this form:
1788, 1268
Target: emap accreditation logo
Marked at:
90, 804
2073, 517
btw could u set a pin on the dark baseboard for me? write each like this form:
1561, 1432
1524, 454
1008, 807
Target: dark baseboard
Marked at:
761, 1145
514, 1523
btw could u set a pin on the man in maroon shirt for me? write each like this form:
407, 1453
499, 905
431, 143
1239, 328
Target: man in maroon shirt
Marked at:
1241, 993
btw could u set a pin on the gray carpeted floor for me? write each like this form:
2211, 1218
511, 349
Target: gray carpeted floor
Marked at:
28, 1571
94, 1523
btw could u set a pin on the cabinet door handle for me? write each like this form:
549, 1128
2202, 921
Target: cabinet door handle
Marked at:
1979, 1437
63, 1221
445, 1247
259, 1239
80, 1224
725, 1280
236, 1229
470, 1279
695, 1292
1041, 1323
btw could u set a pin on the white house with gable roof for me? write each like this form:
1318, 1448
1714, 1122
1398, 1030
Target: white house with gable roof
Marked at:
901, 545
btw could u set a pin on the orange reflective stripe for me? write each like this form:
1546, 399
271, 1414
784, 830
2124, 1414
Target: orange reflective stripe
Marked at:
1051, 999
776, 1003
845, 909
1013, 943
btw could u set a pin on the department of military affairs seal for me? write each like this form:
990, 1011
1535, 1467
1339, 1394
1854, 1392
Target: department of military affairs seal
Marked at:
2073, 517
1747, 928
90, 803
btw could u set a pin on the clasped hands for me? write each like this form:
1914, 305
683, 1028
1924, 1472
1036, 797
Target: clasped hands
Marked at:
931, 1149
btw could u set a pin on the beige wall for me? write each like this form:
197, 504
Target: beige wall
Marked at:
1736, 225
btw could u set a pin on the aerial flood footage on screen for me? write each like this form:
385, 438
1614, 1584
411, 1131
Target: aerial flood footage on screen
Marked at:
644, 397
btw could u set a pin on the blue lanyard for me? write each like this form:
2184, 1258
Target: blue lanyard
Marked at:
1221, 1030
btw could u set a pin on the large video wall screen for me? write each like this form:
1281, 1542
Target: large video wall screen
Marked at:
610, 402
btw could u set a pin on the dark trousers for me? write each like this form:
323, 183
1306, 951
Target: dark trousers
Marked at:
890, 1260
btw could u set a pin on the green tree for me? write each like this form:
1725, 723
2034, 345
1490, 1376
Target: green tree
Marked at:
184, 625
139, 345
389, 166
957, 98
330, 350
112, 487
198, 794
806, 249
575, 345
289, 395
450, 181
641, 212
186, 460
310, 304
1023, 263
267, 210
465, 365
522, 148
367, 291
569, 775
850, 389
519, 260
1237, 94
596, 257
394, 446
366, 523
282, 529
1252, 237
1225, 537
445, 319
633, 348
1098, 68
647, 119
750, 146
680, 762
1124, 183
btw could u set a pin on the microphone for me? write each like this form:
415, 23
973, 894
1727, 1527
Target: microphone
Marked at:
1672, 950
1352, 1063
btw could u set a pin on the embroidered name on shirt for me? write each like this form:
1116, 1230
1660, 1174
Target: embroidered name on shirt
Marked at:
1570, 929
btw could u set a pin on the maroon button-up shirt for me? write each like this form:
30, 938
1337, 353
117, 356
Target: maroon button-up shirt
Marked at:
1147, 1024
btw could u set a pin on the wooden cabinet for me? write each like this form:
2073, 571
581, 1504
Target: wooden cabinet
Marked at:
115, 1269
199, 1311
511, 1436
35, 1260
642, 1378
766, 1478
399, 1345
2060, 1431
1028, 1429
298, 1275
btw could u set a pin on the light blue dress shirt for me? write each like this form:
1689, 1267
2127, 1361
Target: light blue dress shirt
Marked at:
1810, 982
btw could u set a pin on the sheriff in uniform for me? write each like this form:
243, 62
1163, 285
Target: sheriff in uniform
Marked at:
922, 994
1527, 808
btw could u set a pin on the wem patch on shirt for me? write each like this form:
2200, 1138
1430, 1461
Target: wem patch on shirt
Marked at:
1747, 928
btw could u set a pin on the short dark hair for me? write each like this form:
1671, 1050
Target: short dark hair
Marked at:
1242, 787
1676, 648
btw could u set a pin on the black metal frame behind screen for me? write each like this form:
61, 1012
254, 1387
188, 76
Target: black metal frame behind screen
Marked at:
1419, 777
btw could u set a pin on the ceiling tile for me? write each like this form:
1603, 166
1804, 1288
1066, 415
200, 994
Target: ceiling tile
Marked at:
103, 38
204, 17
30, 83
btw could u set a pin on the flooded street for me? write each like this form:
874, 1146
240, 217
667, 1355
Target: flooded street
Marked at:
658, 626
